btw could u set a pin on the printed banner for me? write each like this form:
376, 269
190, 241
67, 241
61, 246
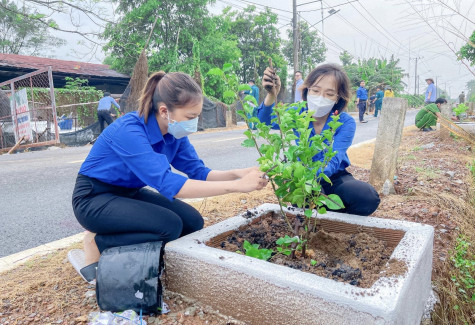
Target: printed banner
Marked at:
21, 116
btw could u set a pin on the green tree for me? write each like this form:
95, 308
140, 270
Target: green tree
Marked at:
258, 40
24, 34
311, 50
471, 91
179, 22
375, 72
346, 58
468, 50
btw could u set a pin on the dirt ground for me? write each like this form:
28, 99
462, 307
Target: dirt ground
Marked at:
433, 186
357, 259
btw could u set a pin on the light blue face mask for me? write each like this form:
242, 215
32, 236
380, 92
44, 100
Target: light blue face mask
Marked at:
183, 128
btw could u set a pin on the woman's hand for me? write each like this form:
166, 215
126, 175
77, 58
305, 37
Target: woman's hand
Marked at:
254, 180
271, 83
240, 173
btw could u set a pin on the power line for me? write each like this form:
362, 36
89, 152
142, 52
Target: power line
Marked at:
400, 44
369, 38
338, 5
258, 4
280, 16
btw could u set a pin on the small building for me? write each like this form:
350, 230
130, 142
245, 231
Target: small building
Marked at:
98, 75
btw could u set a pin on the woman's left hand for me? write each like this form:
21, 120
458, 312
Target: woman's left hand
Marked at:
240, 173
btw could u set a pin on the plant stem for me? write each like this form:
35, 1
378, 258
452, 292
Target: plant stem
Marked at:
271, 181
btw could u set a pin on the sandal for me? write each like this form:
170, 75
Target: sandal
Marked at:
87, 272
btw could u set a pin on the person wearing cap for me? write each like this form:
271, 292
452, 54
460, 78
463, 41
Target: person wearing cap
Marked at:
429, 114
388, 92
103, 110
431, 92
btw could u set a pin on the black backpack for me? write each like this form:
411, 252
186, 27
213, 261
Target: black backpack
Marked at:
128, 277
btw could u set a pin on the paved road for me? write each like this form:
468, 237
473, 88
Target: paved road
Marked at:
36, 187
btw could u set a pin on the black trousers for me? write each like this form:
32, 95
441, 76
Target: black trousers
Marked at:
359, 198
123, 216
362, 109
104, 115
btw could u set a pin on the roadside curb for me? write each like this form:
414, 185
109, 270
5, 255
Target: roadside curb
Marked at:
12, 261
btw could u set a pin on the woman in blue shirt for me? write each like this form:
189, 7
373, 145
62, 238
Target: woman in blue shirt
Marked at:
327, 91
110, 199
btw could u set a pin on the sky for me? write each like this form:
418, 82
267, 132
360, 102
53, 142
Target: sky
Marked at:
407, 29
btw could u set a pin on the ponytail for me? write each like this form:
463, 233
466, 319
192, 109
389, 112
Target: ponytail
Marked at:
146, 106
174, 89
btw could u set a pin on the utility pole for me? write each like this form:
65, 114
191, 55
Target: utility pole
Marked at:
321, 10
416, 86
296, 36
295, 43
415, 78
436, 91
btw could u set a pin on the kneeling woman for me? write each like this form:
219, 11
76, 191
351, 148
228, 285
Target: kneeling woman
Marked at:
327, 91
110, 199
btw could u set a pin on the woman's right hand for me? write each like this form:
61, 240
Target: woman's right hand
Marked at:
271, 83
254, 180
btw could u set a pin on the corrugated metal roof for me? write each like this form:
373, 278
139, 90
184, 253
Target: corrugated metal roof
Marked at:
70, 67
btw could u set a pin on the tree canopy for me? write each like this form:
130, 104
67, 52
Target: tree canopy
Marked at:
311, 48
375, 72
468, 50
24, 34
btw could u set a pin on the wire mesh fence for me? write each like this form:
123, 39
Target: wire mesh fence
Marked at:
28, 111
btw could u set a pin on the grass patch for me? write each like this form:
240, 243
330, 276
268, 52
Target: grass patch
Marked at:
455, 278
362, 156
428, 172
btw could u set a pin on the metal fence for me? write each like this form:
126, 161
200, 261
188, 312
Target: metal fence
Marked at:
28, 111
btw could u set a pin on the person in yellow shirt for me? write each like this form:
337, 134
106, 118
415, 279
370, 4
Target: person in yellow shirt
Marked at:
388, 92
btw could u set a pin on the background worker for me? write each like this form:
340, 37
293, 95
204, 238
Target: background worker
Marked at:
254, 92
361, 98
298, 83
429, 114
462, 98
103, 110
431, 91
371, 101
389, 92
378, 103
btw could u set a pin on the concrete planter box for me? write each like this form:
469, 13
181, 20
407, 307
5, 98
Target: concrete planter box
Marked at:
259, 292
467, 126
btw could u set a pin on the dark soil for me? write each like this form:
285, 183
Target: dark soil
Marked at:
357, 259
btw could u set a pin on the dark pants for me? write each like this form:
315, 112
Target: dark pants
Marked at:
378, 104
362, 109
104, 115
359, 198
122, 216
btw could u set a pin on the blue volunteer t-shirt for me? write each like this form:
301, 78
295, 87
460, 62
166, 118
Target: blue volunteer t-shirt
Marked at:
433, 95
298, 92
131, 153
362, 93
341, 142
106, 102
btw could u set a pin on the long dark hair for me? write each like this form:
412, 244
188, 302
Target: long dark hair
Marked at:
341, 79
174, 89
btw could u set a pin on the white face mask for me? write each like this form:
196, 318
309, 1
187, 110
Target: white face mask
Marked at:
320, 105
